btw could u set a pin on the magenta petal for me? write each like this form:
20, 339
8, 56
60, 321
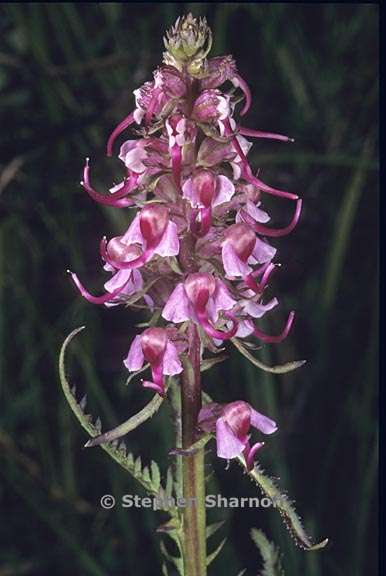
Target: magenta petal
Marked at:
157, 387
228, 445
169, 244
244, 329
250, 455
258, 310
233, 265
263, 252
117, 131
221, 300
177, 308
190, 194
224, 190
262, 423
256, 213
120, 278
135, 359
133, 234
171, 361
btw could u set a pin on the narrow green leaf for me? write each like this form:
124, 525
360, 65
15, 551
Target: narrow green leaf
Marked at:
281, 369
213, 528
213, 555
210, 362
147, 412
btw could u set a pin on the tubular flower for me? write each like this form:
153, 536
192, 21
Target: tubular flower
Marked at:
231, 423
200, 298
241, 248
205, 191
196, 246
155, 347
152, 230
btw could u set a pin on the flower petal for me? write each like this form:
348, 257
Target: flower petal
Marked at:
245, 329
133, 234
233, 265
171, 361
177, 308
169, 244
224, 190
228, 445
262, 423
263, 252
258, 310
135, 359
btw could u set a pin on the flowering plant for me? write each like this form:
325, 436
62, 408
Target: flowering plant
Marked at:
197, 255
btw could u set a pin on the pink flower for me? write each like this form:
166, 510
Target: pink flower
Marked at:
152, 230
241, 248
211, 107
171, 81
206, 190
200, 298
232, 423
155, 347
219, 69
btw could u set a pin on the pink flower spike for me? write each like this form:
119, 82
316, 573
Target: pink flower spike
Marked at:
275, 339
259, 134
115, 199
272, 232
117, 131
107, 297
237, 81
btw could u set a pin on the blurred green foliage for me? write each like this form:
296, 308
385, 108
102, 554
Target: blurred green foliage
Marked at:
67, 72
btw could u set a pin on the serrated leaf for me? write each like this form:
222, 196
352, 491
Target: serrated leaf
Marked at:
271, 555
127, 462
213, 555
282, 503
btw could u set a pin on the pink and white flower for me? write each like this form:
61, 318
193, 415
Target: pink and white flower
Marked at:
154, 346
231, 423
200, 298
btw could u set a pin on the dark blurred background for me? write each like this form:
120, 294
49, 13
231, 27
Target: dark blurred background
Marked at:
67, 72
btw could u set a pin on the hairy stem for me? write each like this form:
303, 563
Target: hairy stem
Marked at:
194, 521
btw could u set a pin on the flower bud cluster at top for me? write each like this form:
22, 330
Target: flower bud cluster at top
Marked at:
197, 249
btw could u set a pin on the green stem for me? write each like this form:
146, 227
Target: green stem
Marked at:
194, 520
